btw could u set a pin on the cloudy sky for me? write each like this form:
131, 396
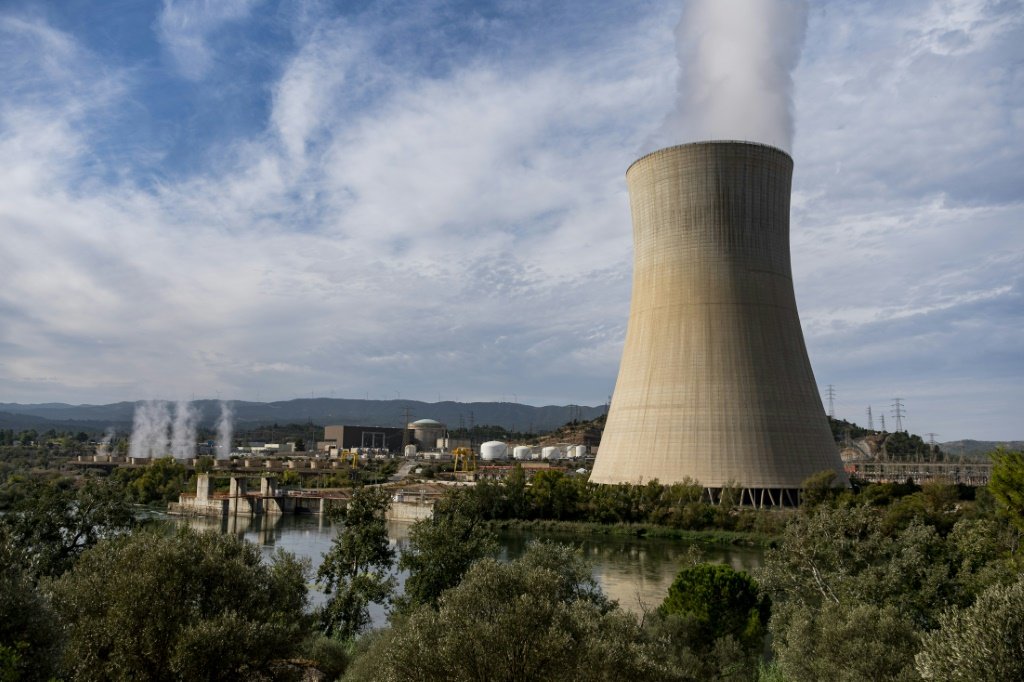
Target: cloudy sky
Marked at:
262, 199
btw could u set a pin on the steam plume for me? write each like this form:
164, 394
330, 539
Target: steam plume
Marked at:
149, 429
108, 438
225, 431
183, 437
736, 59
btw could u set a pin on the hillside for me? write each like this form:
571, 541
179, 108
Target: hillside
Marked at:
323, 411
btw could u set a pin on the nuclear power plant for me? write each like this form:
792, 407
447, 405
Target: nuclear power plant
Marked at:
715, 385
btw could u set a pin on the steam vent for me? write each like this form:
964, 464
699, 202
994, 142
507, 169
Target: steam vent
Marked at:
715, 385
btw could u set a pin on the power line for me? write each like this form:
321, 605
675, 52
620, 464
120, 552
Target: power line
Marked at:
898, 413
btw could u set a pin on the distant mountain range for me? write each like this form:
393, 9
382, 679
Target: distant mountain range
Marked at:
322, 411
979, 447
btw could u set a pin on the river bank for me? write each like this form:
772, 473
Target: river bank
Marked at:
584, 529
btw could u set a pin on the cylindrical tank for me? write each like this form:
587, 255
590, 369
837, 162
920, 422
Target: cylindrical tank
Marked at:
410, 450
521, 452
715, 384
581, 451
493, 449
551, 452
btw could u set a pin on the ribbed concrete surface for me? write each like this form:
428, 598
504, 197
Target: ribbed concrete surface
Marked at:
715, 384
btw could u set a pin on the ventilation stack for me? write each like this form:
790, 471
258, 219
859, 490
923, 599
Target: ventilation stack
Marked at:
715, 385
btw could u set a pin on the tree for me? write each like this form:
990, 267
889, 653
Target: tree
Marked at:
848, 644
539, 618
29, 632
356, 571
51, 525
980, 643
842, 584
818, 487
721, 602
442, 548
188, 606
1007, 484
161, 481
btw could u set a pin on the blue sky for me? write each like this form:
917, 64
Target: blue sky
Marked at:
267, 200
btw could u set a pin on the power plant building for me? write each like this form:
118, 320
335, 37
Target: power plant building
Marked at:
715, 385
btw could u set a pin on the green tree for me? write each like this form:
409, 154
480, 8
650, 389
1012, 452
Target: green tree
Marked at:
52, 525
356, 570
818, 488
1007, 484
840, 570
984, 642
720, 602
847, 644
538, 618
188, 606
29, 631
160, 481
442, 548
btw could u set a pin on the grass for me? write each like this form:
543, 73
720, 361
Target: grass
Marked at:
711, 536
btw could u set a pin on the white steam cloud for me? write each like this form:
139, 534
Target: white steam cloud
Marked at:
225, 431
736, 61
149, 430
155, 435
183, 435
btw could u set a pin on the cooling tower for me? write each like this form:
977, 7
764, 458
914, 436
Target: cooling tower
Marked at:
715, 384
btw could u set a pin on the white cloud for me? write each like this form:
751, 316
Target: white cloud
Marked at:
394, 226
185, 28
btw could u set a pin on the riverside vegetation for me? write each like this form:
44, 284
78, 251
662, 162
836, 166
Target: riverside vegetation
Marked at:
880, 582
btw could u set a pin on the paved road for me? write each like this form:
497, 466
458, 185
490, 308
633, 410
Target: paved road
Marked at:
402, 472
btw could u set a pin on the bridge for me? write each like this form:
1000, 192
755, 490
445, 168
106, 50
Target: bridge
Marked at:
408, 503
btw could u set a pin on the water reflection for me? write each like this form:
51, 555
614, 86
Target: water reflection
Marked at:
635, 571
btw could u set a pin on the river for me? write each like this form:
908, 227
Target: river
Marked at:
634, 571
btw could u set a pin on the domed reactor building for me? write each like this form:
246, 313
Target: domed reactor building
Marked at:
715, 385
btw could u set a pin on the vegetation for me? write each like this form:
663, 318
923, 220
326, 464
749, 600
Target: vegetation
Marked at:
442, 548
719, 602
49, 525
540, 617
982, 642
356, 570
558, 496
160, 482
878, 582
1007, 485
189, 606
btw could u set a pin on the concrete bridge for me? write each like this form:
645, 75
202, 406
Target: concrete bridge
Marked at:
408, 503
240, 501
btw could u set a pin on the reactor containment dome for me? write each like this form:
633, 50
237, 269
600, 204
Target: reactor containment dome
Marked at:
715, 385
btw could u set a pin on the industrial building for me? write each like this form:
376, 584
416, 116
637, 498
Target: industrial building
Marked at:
387, 438
715, 385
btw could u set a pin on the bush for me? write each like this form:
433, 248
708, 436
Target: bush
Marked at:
189, 606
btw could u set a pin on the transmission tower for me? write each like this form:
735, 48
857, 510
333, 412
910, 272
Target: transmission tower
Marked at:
883, 422
831, 401
871, 420
898, 413
932, 444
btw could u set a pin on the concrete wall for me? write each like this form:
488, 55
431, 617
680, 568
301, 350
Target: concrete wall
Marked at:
715, 384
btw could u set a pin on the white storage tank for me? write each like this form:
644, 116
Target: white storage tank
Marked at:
521, 452
551, 452
493, 449
410, 450
581, 451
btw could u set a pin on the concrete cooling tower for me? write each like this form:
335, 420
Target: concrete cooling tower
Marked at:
715, 385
